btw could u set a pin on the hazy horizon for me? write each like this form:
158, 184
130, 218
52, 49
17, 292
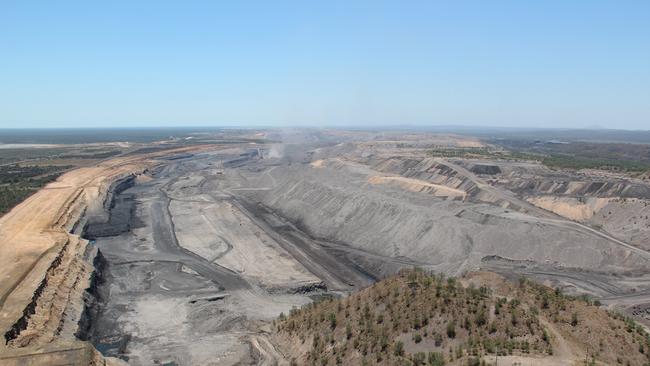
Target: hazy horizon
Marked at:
384, 127
339, 64
343, 126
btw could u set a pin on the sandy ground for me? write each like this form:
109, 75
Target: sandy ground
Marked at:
571, 208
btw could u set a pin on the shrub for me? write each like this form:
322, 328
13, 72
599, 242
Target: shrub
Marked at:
332, 319
399, 348
545, 336
437, 339
419, 358
436, 359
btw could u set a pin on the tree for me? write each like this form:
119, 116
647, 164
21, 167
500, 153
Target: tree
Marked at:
451, 329
481, 318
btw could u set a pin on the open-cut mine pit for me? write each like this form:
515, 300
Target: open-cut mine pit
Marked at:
184, 257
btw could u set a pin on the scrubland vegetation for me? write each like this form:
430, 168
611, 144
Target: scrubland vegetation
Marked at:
416, 318
578, 155
19, 182
24, 171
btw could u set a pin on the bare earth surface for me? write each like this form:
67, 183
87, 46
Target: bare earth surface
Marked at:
186, 256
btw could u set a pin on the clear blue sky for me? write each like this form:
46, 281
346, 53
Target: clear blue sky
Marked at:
565, 63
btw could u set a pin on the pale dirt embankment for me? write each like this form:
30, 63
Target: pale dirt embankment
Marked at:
44, 267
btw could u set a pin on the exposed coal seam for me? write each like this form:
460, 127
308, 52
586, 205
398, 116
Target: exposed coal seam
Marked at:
93, 298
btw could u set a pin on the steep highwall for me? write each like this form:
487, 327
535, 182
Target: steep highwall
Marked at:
65, 301
92, 298
115, 215
116, 187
